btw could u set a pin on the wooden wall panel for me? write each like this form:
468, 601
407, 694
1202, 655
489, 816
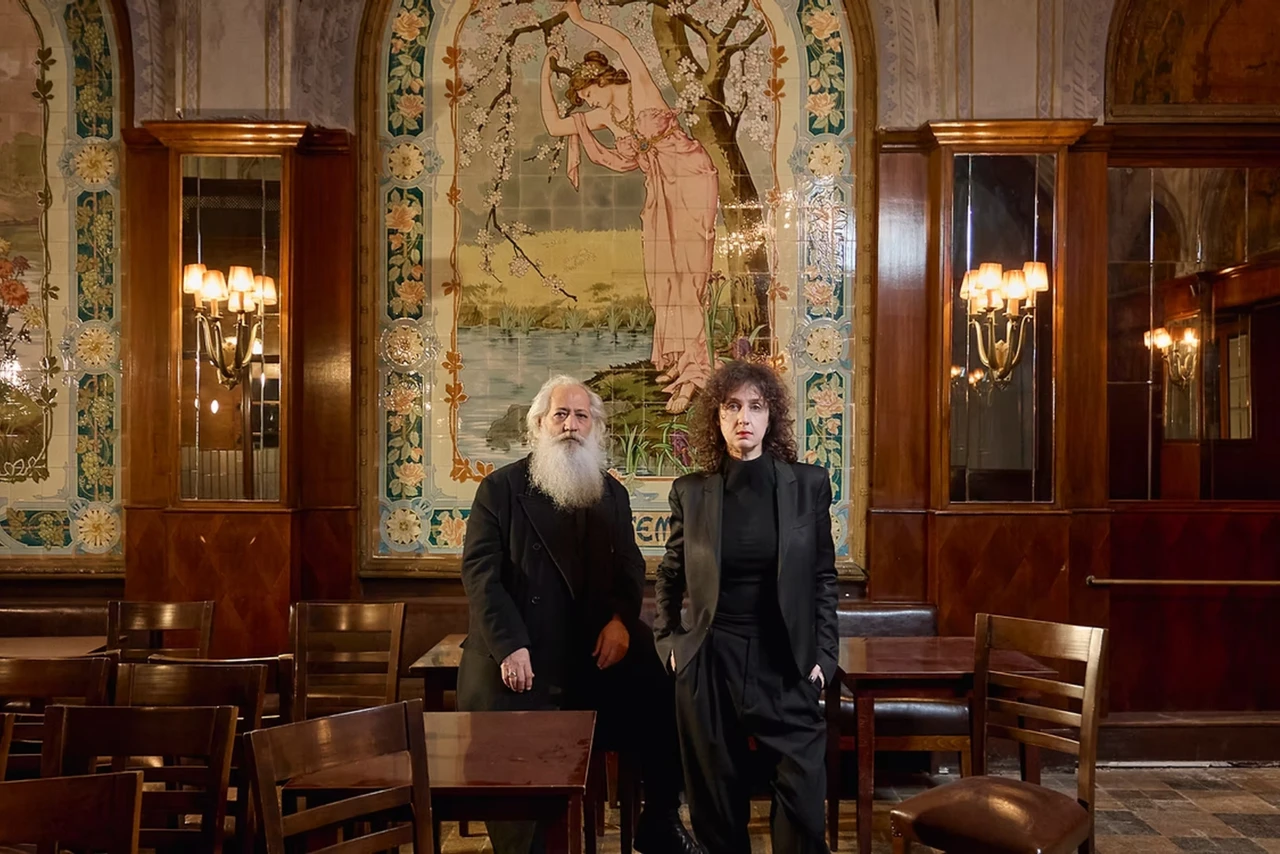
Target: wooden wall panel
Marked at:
1082, 390
1194, 648
896, 550
999, 563
243, 561
328, 554
900, 412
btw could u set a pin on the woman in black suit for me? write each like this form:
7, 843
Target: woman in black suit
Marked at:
750, 540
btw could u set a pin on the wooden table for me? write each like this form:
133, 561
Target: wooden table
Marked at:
438, 668
900, 668
491, 766
52, 646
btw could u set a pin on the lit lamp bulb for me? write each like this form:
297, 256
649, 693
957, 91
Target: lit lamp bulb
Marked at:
1015, 290
1189, 337
1163, 339
990, 276
956, 372
240, 279
192, 278
213, 288
265, 287
976, 376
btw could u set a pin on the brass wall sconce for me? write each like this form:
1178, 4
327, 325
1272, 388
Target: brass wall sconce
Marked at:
995, 296
244, 296
1180, 355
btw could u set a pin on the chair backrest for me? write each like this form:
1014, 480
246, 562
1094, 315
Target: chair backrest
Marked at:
100, 812
277, 705
1005, 703
28, 685
52, 619
138, 629
193, 746
346, 655
6, 740
290, 751
877, 620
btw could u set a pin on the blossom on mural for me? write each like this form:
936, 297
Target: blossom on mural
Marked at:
405, 161
826, 401
823, 345
94, 164
403, 346
401, 398
411, 474
95, 347
823, 24
826, 159
823, 421
453, 530
97, 528
404, 527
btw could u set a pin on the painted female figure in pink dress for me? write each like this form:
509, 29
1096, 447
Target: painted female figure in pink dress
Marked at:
681, 193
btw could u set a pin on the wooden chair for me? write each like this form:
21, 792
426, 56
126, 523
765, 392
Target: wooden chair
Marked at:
277, 703
138, 629
53, 619
28, 685
242, 686
283, 753
193, 745
346, 656
101, 812
982, 814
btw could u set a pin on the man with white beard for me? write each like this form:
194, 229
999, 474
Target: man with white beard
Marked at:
555, 580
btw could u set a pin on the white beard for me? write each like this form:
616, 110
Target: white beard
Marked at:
569, 471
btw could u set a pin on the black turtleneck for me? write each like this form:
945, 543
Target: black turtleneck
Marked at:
748, 547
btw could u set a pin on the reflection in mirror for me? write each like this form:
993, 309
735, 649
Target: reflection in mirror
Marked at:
1193, 308
230, 281
1002, 267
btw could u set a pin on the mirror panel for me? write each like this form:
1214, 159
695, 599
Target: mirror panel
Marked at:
1193, 296
231, 283
1002, 268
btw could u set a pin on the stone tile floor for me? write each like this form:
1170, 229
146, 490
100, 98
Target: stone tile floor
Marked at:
1139, 811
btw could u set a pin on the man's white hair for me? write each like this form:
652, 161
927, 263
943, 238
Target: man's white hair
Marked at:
542, 405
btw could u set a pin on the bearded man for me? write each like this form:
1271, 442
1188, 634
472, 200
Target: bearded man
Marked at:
555, 580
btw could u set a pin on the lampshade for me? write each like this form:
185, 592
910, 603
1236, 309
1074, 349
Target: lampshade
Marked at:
1189, 336
1015, 285
265, 287
989, 276
248, 303
240, 279
192, 278
965, 286
995, 299
233, 301
1162, 339
1036, 275
214, 286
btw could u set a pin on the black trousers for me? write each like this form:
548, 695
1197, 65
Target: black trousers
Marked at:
738, 687
634, 703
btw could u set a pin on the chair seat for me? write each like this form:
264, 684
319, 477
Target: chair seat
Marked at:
901, 718
993, 815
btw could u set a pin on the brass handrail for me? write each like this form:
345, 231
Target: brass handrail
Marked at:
1093, 581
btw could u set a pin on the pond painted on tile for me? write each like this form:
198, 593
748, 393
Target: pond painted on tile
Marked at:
503, 370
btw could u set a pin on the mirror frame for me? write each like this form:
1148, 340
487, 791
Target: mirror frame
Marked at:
230, 139
1030, 136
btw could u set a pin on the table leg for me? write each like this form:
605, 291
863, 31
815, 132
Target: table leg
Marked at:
575, 824
560, 829
833, 763
866, 769
432, 692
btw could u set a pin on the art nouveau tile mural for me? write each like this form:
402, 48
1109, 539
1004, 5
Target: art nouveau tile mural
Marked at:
59, 279
628, 192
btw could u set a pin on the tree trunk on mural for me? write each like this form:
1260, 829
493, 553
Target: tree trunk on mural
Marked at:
717, 131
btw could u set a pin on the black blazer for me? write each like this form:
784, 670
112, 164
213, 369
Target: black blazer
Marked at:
806, 566
517, 545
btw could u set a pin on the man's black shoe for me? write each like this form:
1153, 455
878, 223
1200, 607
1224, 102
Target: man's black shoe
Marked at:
664, 833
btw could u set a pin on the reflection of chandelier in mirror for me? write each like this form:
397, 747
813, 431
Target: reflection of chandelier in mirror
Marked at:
240, 293
1179, 355
993, 295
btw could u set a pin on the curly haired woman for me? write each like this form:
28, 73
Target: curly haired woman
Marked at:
750, 540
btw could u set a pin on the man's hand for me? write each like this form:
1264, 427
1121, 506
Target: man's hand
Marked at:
815, 676
517, 671
612, 644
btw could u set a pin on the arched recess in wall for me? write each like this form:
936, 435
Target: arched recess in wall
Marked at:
1189, 60
494, 254
62, 114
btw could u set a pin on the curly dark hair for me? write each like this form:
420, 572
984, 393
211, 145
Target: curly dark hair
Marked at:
705, 437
